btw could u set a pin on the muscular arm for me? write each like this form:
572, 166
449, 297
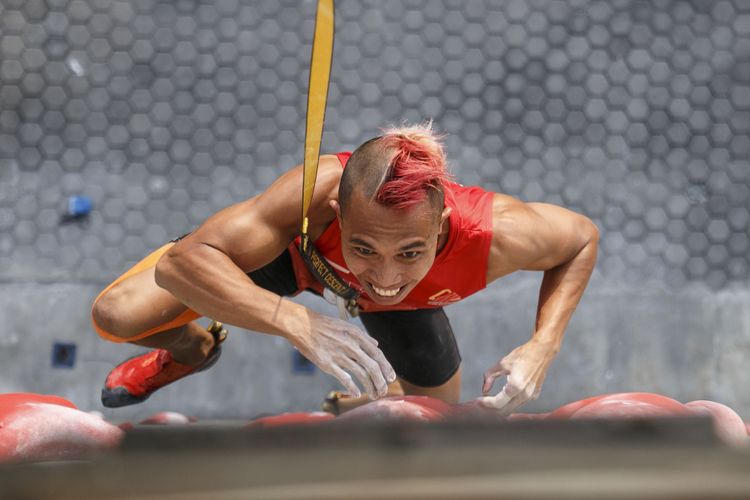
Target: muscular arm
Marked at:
542, 237
207, 269
563, 244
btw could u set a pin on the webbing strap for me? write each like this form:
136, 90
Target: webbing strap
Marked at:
317, 95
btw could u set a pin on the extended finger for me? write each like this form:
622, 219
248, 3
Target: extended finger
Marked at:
361, 375
489, 378
357, 351
385, 368
372, 369
346, 380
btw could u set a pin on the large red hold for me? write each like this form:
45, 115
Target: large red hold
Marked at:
623, 405
728, 424
300, 418
408, 408
36, 427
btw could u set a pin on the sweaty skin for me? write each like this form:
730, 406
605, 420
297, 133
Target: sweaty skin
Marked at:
389, 252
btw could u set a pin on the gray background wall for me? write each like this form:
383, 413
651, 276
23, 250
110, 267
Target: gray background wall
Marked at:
634, 113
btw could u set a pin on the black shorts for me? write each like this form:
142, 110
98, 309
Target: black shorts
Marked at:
419, 344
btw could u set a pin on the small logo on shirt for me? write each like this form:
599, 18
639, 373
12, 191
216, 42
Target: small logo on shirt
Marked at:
443, 298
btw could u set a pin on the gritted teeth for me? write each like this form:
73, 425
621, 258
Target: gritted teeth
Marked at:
386, 292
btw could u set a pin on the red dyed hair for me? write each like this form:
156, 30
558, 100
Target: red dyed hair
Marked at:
417, 166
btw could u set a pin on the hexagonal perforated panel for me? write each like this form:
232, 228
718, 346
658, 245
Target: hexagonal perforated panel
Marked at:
634, 113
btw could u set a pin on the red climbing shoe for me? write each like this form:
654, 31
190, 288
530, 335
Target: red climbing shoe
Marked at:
135, 379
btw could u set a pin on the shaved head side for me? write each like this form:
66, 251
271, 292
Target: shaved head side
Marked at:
399, 169
364, 171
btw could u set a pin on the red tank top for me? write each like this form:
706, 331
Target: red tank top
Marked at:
459, 270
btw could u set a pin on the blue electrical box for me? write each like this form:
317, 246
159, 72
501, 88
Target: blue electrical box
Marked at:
63, 355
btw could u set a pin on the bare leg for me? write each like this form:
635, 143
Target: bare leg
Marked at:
450, 392
137, 304
189, 344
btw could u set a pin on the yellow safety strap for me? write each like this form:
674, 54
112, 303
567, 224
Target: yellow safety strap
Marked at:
317, 95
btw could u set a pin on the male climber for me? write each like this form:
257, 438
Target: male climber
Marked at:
388, 218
